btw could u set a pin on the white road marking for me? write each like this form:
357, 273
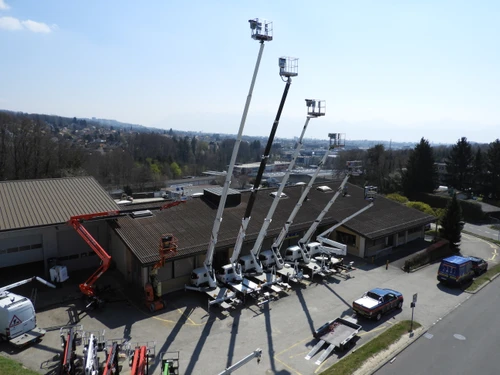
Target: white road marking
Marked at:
459, 336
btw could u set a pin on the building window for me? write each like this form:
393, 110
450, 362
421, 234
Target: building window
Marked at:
414, 230
346, 238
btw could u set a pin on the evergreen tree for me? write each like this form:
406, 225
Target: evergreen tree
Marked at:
421, 173
459, 165
479, 172
493, 166
451, 226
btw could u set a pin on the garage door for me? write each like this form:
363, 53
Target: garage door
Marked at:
21, 250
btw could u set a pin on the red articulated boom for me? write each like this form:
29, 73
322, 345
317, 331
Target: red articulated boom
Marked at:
88, 288
139, 363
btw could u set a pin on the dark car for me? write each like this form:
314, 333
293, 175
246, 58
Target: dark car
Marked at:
479, 265
376, 302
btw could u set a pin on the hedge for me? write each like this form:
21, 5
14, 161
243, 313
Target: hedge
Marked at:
437, 250
470, 210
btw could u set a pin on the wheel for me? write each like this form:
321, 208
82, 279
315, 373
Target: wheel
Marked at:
400, 305
378, 317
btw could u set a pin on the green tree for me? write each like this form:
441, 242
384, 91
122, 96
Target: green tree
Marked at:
397, 198
459, 165
479, 172
493, 166
176, 170
451, 227
421, 206
421, 173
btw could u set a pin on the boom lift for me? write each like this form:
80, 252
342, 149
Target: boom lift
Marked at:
255, 354
168, 249
300, 253
250, 262
70, 337
88, 288
232, 274
305, 250
203, 278
113, 349
93, 343
272, 258
140, 357
325, 245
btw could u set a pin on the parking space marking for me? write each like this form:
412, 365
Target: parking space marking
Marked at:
494, 255
287, 366
296, 355
293, 346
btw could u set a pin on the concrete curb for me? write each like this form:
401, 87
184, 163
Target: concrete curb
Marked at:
482, 285
397, 352
400, 350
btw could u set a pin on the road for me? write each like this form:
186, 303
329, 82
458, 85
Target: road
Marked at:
465, 342
483, 230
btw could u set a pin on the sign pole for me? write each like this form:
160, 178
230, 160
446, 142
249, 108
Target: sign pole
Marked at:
413, 303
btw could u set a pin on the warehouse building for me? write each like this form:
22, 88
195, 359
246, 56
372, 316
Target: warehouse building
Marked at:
34, 229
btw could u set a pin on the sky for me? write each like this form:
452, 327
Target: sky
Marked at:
388, 70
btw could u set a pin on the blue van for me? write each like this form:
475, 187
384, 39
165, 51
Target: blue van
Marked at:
455, 270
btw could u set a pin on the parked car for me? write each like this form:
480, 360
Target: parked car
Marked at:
479, 265
378, 301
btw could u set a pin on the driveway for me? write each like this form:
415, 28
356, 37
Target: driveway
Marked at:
208, 342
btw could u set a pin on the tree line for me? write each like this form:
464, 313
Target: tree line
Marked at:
34, 146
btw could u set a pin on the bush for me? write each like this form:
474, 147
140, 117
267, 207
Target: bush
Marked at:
397, 198
471, 210
421, 206
437, 250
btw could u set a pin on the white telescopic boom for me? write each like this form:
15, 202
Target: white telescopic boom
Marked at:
276, 246
218, 219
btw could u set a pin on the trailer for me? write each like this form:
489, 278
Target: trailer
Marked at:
338, 334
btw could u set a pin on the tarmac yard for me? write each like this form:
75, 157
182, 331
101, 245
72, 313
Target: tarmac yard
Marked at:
210, 341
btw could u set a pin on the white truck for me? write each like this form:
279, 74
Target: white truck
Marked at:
18, 317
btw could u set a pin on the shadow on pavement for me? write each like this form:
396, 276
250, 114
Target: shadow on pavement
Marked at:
456, 291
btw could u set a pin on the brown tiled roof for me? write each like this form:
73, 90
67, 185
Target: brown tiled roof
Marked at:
31, 203
192, 222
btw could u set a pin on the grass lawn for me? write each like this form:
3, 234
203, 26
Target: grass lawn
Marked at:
485, 277
354, 360
11, 367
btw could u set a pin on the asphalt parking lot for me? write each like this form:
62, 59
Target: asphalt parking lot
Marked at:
209, 341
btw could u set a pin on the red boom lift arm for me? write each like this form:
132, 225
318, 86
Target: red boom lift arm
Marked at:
87, 287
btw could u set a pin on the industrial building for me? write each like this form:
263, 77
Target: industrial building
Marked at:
34, 215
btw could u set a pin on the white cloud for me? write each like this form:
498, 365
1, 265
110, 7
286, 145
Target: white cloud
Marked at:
10, 23
37, 27
3, 6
